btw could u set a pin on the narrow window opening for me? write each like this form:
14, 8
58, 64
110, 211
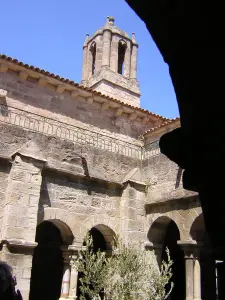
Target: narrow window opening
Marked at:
93, 53
121, 56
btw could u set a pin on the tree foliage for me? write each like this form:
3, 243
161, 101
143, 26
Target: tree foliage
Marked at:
128, 274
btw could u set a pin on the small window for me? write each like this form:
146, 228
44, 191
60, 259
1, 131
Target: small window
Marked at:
122, 46
93, 54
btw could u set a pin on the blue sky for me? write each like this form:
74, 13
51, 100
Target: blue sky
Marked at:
50, 33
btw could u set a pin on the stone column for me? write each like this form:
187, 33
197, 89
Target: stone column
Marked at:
197, 275
134, 51
114, 53
66, 274
189, 274
106, 47
85, 59
73, 279
188, 248
127, 61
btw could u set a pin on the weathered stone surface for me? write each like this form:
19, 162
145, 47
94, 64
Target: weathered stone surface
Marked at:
78, 163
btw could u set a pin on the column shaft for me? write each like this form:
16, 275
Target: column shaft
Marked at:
133, 67
189, 276
73, 283
85, 64
106, 48
114, 54
197, 279
66, 281
127, 61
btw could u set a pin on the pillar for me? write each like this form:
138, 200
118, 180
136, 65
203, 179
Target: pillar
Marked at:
20, 209
106, 48
85, 59
188, 248
134, 52
114, 53
197, 275
189, 274
73, 279
66, 275
127, 61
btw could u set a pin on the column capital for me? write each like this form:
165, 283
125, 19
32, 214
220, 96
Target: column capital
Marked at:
188, 248
68, 252
152, 246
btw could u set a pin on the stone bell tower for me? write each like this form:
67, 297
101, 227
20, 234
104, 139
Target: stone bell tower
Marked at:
110, 64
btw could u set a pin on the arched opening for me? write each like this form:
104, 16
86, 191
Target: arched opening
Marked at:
47, 264
93, 57
163, 234
207, 262
122, 46
103, 238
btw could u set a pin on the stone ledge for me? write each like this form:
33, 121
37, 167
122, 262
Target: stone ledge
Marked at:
17, 243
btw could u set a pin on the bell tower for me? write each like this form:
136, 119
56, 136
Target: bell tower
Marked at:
110, 63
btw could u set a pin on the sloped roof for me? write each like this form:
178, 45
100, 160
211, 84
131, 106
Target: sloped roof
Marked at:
77, 85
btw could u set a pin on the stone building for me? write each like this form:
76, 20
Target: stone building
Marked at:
84, 157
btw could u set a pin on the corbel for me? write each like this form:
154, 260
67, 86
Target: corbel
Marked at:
105, 106
144, 121
23, 75
3, 68
133, 116
84, 93
42, 81
74, 94
119, 111
90, 100
60, 89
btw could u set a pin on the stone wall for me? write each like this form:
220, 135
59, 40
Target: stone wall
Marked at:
164, 179
4, 173
88, 203
64, 155
132, 213
44, 101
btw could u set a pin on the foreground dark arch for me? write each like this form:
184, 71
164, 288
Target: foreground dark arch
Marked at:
189, 36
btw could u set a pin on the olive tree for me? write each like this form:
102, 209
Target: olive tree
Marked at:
130, 273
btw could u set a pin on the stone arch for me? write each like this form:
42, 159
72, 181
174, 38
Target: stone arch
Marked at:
108, 234
172, 216
62, 220
189, 220
197, 230
122, 47
105, 221
164, 233
157, 230
107, 231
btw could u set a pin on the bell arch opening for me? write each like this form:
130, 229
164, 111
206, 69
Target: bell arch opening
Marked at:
93, 57
122, 46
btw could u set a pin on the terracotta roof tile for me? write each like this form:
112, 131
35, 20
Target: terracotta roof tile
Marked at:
41, 71
170, 121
